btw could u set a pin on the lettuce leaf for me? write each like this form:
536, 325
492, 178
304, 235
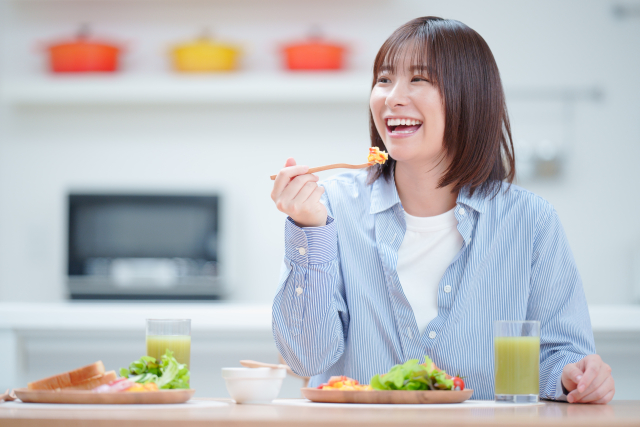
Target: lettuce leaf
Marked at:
166, 373
412, 375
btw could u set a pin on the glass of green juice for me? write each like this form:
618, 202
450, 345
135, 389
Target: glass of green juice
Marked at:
169, 334
517, 360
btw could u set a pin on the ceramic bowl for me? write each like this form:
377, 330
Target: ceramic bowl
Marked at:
253, 385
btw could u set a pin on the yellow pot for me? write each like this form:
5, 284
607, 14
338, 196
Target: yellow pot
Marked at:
205, 56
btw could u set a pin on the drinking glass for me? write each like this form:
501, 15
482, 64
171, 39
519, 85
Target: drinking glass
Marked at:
517, 360
169, 334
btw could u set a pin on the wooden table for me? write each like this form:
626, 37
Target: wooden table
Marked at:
617, 413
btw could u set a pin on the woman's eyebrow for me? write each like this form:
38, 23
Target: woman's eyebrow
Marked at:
414, 68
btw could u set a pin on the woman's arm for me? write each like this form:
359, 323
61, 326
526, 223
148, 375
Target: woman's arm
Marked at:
310, 316
557, 299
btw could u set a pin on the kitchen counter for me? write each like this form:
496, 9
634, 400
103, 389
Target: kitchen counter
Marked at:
226, 316
39, 339
122, 316
617, 413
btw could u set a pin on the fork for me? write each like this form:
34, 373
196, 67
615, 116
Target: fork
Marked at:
334, 166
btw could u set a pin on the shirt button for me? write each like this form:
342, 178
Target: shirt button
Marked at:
447, 289
302, 251
462, 212
409, 333
298, 290
432, 334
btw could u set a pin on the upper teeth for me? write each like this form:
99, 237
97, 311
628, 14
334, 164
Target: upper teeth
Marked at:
398, 122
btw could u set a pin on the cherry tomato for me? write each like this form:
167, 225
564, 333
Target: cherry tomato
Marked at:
458, 383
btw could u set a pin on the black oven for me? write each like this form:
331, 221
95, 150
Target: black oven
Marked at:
136, 246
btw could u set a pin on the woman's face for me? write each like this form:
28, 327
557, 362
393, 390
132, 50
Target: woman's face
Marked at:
409, 114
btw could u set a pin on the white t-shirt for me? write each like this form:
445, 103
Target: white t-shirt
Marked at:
429, 246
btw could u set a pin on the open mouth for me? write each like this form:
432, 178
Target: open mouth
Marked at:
403, 127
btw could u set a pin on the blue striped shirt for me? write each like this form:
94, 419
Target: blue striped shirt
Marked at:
340, 308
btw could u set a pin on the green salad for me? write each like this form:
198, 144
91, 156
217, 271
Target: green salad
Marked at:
412, 375
166, 373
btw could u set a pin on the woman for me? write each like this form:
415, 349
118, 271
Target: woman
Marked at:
422, 254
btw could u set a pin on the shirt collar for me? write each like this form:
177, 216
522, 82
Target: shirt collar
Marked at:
476, 201
384, 195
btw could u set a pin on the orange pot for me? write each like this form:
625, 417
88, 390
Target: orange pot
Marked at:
314, 55
81, 55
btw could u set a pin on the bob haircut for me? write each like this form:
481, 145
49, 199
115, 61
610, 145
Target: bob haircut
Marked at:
477, 134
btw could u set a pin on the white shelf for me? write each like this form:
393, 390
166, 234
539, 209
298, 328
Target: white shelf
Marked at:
232, 88
237, 88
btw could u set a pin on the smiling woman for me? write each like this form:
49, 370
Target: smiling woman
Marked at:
422, 254
456, 82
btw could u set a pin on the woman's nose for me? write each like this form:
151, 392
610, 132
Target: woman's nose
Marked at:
398, 96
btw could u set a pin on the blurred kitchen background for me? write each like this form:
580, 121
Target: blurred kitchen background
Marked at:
151, 183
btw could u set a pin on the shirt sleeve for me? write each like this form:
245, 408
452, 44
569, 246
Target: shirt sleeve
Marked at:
310, 316
560, 395
557, 300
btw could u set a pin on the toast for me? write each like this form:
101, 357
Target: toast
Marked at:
70, 378
92, 383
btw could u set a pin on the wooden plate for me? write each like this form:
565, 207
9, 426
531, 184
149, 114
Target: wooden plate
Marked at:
385, 397
89, 397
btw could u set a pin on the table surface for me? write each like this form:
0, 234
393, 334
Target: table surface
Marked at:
617, 413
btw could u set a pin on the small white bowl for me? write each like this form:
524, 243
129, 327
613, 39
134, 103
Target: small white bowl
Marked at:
253, 385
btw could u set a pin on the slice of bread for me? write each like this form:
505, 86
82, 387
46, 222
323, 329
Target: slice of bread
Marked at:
70, 378
92, 383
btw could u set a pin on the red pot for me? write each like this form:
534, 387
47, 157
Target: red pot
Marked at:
314, 55
81, 55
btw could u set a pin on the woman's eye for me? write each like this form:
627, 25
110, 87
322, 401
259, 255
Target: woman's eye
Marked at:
419, 79
383, 80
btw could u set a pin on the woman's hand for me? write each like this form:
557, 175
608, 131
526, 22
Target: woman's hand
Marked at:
297, 194
589, 381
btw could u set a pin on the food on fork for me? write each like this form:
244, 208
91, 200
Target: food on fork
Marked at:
78, 377
377, 156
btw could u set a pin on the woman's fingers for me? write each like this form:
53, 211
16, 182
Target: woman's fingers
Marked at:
290, 192
591, 370
600, 391
600, 371
315, 196
300, 200
594, 384
571, 376
607, 398
284, 177
297, 194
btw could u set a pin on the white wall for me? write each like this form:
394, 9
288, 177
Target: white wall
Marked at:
45, 151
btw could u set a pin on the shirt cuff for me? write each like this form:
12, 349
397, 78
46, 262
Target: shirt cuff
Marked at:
560, 396
311, 245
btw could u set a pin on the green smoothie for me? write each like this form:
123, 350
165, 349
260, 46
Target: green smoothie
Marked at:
517, 364
157, 345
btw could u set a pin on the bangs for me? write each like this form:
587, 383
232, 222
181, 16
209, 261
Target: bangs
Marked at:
409, 48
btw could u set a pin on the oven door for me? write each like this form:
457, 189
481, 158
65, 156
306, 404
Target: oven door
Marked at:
124, 246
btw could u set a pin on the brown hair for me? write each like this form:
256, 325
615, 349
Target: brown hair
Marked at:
477, 135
